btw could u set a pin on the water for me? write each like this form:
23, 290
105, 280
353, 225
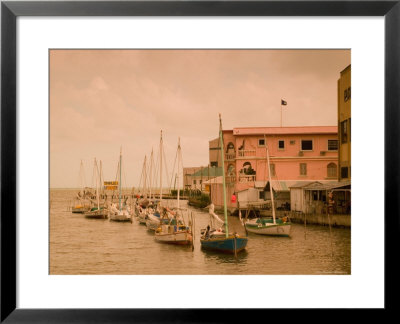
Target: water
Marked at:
92, 246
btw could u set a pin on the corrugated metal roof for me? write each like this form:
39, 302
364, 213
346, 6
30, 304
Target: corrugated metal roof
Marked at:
214, 172
320, 185
285, 130
328, 186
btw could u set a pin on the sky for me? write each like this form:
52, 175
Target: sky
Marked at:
104, 100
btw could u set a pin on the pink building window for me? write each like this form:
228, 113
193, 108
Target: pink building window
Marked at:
332, 170
332, 145
303, 168
306, 145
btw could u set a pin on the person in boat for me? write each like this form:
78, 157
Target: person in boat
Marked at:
207, 234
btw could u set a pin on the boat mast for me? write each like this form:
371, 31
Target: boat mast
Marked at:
101, 178
120, 172
161, 168
269, 179
145, 177
151, 171
223, 176
97, 184
177, 174
81, 179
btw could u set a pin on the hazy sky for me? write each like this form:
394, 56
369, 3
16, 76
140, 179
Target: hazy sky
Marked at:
101, 100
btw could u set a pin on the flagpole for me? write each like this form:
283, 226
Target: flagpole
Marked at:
283, 103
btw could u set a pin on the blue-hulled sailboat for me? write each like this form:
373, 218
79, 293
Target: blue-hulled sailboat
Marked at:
220, 239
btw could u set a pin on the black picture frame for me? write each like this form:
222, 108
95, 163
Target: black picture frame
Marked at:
10, 10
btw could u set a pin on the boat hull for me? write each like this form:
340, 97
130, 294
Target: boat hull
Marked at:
223, 244
151, 225
269, 229
142, 219
97, 214
152, 222
181, 238
120, 218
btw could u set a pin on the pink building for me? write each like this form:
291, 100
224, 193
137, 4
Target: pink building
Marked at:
306, 153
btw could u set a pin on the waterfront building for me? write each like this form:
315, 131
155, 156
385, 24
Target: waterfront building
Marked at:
297, 154
187, 176
344, 123
199, 177
309, 200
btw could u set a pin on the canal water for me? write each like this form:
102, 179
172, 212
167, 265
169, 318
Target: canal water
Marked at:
92, 246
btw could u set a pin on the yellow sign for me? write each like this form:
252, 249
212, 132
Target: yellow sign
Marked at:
110, 185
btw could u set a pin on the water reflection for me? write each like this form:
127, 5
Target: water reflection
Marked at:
93, 246
214, 256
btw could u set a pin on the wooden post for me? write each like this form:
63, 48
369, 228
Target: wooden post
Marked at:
330, 203
305, 226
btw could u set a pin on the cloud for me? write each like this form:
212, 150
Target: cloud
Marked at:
101, 100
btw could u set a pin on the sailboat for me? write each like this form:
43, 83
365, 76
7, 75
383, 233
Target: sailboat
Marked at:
97, 211
119, 213
172, 228
82, 205
142, 205
219, 239
268, 226
153, 215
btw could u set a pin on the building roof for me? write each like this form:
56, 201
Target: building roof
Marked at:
329, 186
320, 185
214, 172
285, 130
345, 69
216, 180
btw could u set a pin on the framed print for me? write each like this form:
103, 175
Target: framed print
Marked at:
176, 161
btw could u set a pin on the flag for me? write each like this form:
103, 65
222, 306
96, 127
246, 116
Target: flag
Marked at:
283, 102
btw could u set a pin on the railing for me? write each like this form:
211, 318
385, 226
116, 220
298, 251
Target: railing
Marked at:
230, 156
246, 153
247, 178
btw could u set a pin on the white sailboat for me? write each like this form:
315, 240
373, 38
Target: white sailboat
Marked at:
153, 213
97, 211
172, 228
82, 204
268, 226
143, 202
119, 213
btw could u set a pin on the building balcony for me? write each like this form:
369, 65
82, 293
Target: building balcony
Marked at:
230, 156
247, 178
230, 179
246, 153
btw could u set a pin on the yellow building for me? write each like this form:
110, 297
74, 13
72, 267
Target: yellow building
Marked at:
344, 123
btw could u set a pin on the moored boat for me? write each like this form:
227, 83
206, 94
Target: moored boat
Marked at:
122, 213
172, 228
97, 212
220, 239
268, 226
